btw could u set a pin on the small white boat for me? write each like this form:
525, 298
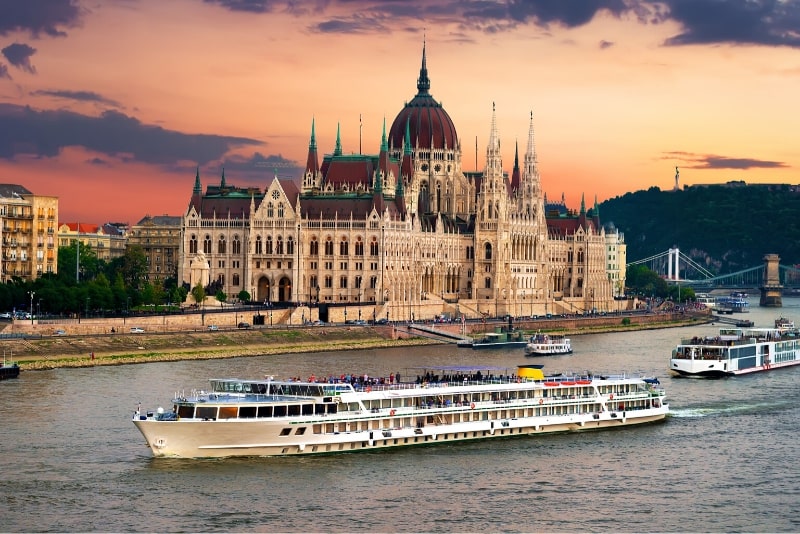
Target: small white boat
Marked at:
784, 324
548, 345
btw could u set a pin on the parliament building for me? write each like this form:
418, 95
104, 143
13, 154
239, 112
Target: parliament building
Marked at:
403, 234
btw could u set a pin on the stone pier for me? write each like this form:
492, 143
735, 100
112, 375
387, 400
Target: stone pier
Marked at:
772, 289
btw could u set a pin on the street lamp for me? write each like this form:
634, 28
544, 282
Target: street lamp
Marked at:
87, 306
32, 293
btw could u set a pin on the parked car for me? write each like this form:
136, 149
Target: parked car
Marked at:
137, 330
243, 325
5, 315
382, 320
60, 332
213, 327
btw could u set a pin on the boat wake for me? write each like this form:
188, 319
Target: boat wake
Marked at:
689, 413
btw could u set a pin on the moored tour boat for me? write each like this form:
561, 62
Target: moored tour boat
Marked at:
9, 369
500, 338
284, 417
736, 351
548, 345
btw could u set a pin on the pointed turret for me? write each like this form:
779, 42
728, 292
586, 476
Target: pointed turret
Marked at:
311, 176
197, 192
407, 164
222, 184
423, 82
515, 174
337, 150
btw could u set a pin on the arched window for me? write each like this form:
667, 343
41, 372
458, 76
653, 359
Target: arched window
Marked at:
359, 247
259, 245
236, 246
207, 244
280, 210
279, 246
221, 245
235, 280
328, 281
270, 210
221, 279
488, 283
193, 244
344, 247
329, 246
269, 244
373, 247
290, 245
487, 249
343, 282
313, 247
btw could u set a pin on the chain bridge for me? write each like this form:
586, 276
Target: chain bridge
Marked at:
770, 277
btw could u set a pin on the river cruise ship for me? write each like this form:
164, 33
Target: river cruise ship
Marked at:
548, 345
736, 351
270, 417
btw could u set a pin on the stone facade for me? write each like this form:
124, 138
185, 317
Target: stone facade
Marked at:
160, 239
405, 233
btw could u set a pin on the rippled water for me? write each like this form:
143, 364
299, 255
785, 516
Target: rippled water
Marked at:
724, 460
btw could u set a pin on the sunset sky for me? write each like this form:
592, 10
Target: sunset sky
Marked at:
112, 104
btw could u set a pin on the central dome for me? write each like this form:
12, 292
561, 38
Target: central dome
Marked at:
429, 124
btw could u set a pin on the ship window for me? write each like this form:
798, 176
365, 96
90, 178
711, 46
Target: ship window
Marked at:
308, 409
186, 411
280, 411
227, 412
206, 412
319, 408
265, 411
286, 431
294, 409
247, 412
300, 431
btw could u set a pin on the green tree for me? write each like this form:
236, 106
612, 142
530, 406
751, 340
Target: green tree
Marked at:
68, 260
244, 296
134, 267
198, 294
221, 296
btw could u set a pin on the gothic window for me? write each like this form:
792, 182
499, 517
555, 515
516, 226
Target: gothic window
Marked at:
279, 246
313, 247
221, 245
290, 245
280, 210
328, 281
359, 247
357, 282
207, 244
487, 251
235, 280
221, 279
259, 245
269, 245
329, 246
580, 256
488, 283
236, 246
343, 282
373, 282
373, 247
344, 247
270, 210
193, 244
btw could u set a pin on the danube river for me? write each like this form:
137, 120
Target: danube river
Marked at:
725, 460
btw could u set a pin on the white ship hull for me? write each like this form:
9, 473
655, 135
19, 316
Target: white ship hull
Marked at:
397, 417
736, 351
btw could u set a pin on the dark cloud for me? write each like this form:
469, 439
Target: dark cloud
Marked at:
605, 44
762, 22
80, 96
569, 13
712, 161
24, 130
39, 16
19, 55
249, 6
4, 72
262, 164
98, 161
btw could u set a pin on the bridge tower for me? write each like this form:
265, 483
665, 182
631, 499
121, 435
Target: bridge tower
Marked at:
772, 289
673, 260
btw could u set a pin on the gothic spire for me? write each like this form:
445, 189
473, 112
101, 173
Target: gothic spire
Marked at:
337, 151
384, 143
197, 187
312, 145
423, 82
222, 181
